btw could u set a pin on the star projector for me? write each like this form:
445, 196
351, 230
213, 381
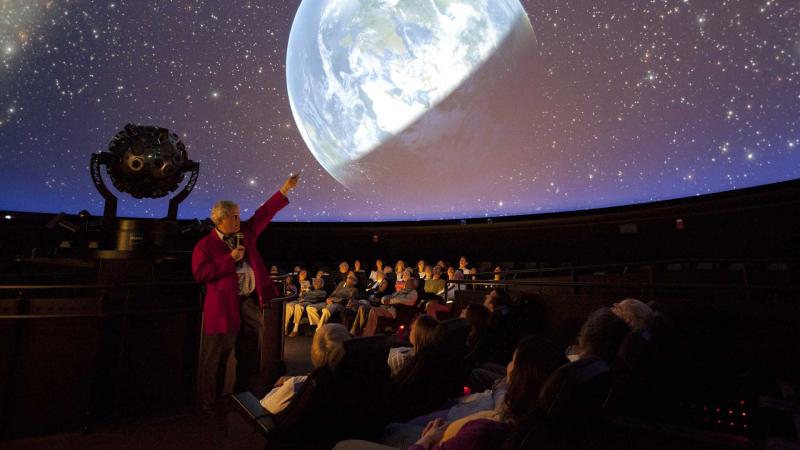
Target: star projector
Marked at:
145, 162
148, 161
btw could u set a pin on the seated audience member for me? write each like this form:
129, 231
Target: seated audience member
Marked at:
327, 348
477, 340
422, 385
378, 268
373, 283
465, 267
435, 284
420, 271
601, 335
498, 276
427, 273
289, 288
405, 296
341, 276
497, 301
399, 268
499, 336
534, 360
407, 274
295, 309
357, 266
634, 312
362, 307
378, 289
456, 275
303, 282
273, 270
423, 334
317, 294
436, 287
341, 296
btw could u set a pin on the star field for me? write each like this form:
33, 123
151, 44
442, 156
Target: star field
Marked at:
636, 101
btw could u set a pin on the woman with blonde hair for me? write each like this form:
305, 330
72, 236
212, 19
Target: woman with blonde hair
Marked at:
327, 349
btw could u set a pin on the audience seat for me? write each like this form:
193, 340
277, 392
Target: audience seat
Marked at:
576, 392
405, 315
421, 387
451, 339
348, 402
570, 406
627, 370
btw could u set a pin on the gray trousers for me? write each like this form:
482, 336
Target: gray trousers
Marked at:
217, 348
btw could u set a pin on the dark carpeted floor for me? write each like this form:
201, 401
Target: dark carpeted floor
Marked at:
179, 430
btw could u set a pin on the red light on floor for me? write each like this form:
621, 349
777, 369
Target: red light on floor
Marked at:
730, 411
402, 327
467, 390
678, 224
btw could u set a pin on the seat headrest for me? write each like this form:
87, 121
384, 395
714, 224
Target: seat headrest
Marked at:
635, 344
365, 343
576, 389
453, 324
366, 353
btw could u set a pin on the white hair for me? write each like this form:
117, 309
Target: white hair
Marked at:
327, 347
635, 312
221, 210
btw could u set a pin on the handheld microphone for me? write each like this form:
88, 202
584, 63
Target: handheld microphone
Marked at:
239, 239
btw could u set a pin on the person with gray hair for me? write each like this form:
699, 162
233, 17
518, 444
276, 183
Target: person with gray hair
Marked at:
601, 335
634, 312
320, 313
236, 284
406, 296
327, 349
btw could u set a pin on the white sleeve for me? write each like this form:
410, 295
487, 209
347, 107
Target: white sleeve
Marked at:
279, 398
398, 358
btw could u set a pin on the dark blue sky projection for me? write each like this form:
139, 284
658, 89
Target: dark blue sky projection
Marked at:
629, 101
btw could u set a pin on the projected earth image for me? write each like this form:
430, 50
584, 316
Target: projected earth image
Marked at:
381, 87
404, 110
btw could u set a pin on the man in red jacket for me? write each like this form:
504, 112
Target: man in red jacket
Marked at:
237, 284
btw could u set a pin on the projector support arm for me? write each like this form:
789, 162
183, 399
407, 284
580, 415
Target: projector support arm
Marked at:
174, 202
110, 209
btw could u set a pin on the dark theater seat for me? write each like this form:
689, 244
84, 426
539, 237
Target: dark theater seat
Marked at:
451, 339
347, 402
575, 392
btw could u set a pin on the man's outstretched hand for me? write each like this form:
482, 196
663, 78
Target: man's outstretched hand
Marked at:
290, 183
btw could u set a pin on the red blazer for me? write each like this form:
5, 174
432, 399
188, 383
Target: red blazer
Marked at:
213, 266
